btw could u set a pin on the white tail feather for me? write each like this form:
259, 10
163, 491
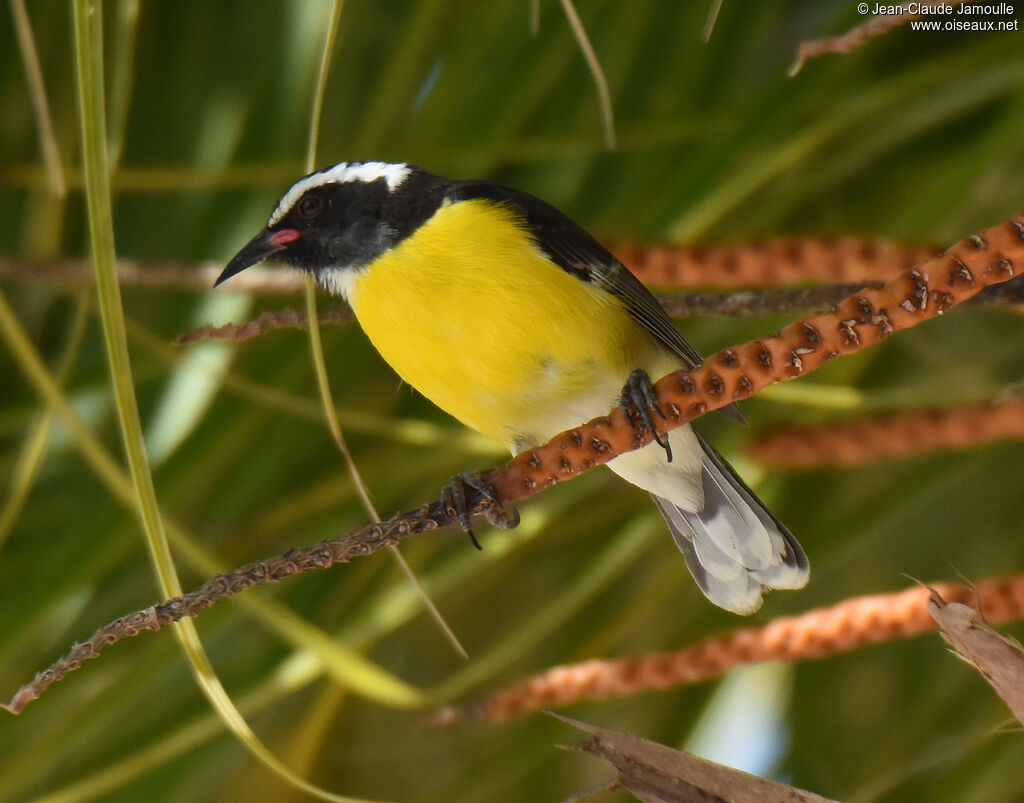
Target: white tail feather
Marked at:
734, 547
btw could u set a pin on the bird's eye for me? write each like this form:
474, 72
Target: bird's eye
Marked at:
309, 207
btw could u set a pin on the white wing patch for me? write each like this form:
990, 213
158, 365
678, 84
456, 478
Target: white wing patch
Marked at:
393, 174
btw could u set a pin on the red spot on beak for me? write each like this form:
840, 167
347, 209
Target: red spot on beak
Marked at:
263, 246
284, 236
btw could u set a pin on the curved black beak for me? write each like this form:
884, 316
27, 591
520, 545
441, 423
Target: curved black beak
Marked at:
262, 246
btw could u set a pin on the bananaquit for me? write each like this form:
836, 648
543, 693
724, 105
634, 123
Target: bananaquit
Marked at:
510, 317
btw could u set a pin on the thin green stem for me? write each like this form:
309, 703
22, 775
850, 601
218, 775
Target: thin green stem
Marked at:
37, 94
31, 455
317, 347
123, 77
604, 97
316, 113
346, 667
88, 17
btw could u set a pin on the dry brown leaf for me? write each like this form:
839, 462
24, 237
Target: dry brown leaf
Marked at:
655, 773
998, 658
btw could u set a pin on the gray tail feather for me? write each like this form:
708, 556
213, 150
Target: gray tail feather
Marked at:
735, 548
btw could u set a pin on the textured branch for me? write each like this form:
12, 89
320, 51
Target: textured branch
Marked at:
736, 373
804, 300
847, 626
1008, 296
851, 40
297, 561
782, 260
858, 322
893, 436
678, 305
198, 276
785, 260
266, 322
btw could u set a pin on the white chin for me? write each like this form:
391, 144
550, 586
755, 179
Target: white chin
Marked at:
339, 281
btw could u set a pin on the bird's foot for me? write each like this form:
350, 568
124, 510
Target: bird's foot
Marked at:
637, 402
465, 491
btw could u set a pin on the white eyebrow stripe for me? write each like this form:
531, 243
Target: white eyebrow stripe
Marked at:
341, 173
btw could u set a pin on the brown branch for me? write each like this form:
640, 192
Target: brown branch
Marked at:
266, 322
804, 300
843, 627
894, 436
1009, 296
849, 41
198, 276
677, 305
860, 321
297, 561
783, 260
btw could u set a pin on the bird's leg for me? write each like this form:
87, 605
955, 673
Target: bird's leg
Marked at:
637, 402
464, 491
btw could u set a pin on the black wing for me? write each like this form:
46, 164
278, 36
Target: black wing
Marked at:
571, 248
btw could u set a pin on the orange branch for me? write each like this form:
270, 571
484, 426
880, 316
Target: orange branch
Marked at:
894, 436
784, 260
861, 320
846, 626
736, 373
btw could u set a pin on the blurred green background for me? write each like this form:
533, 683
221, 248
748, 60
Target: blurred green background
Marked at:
916, 136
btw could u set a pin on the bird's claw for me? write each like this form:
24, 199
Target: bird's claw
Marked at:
463, 492
637, 402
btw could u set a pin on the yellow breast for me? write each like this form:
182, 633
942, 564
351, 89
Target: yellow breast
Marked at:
472, 315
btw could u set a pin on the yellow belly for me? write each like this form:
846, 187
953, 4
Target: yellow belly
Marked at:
473, 317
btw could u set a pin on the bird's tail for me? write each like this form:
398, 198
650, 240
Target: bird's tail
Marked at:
734, 548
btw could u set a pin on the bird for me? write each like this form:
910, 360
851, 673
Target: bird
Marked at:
512, 318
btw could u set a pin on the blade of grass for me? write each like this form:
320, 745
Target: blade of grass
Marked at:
88, 35
347, 667
123, 77
611, 560
754, 174
317, 347
604, 98
709, 24
176, 742
34, 447
413, 431
409, 46
37, 93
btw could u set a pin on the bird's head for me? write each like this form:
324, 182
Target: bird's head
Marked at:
338, 220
